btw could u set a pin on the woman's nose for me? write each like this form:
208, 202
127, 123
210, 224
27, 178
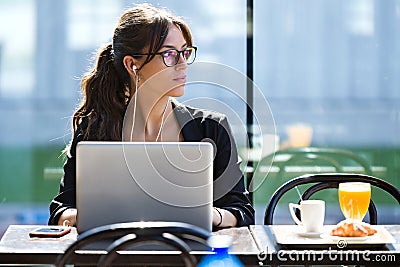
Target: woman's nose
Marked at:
181, 62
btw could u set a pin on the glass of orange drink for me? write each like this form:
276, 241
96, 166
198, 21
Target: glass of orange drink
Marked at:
354, 198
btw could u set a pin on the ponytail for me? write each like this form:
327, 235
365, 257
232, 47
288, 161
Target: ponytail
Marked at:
104, 99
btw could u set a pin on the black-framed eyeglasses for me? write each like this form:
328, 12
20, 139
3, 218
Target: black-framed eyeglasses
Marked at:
171, 56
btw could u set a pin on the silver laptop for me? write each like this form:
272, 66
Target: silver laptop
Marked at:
137, 181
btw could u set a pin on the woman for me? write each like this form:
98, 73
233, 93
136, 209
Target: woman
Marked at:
147, 62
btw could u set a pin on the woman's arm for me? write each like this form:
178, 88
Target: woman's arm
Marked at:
66, 197
63, 206
230, 193
223, 218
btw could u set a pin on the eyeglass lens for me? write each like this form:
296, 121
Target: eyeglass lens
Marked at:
171, 57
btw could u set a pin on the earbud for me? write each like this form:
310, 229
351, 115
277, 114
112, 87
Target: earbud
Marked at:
134, 67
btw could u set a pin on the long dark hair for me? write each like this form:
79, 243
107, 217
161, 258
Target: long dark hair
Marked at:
107, 88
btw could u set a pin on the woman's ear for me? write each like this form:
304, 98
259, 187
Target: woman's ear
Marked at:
130, 65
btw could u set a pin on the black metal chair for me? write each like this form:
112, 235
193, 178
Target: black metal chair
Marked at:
171, 234
324, 181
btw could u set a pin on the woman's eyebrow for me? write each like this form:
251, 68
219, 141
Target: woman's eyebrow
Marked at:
172, 46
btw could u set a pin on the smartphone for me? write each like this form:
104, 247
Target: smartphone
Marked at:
50, 231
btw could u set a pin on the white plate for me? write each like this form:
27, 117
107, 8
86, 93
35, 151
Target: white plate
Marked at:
289, 235
303, 233
346, 238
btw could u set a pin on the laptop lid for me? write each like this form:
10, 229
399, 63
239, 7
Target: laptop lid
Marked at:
138, 181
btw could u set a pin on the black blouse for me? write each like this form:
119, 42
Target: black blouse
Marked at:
197, 125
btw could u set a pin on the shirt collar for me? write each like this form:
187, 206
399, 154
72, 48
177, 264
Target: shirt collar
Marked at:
190, 130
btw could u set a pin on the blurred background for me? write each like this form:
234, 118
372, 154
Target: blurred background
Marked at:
331, 67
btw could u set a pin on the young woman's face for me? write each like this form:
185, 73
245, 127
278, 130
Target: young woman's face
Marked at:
156, 77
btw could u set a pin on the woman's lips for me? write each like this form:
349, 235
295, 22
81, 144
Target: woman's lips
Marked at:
181, 79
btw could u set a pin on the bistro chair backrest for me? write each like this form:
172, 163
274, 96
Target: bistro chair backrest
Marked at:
171, 234
328, 180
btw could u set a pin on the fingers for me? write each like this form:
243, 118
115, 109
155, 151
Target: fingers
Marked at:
68, 218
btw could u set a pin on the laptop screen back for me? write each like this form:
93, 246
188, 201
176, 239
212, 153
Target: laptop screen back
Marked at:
137, 181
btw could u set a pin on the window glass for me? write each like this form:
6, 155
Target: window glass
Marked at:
17, 48
44, 51
329, 70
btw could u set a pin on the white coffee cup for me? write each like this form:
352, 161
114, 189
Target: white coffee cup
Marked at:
312, 214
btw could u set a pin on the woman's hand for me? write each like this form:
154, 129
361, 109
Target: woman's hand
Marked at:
223, 218
68, 217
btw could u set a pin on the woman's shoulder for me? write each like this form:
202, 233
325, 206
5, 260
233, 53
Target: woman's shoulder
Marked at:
79, 135
201, 113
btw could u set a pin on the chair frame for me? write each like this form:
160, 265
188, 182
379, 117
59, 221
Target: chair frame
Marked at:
328, 180
135, 233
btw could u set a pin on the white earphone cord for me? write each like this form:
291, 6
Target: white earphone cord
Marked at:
134, 113
162, 119
134, 107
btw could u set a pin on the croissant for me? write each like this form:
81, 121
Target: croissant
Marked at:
370, 230
348, 228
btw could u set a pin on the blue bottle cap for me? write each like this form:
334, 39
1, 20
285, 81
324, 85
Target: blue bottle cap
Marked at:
219, 241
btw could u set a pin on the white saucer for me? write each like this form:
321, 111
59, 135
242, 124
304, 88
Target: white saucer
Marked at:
336, 238
303, 233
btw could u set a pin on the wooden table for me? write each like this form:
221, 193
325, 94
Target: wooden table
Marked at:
16, 247
253, 246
